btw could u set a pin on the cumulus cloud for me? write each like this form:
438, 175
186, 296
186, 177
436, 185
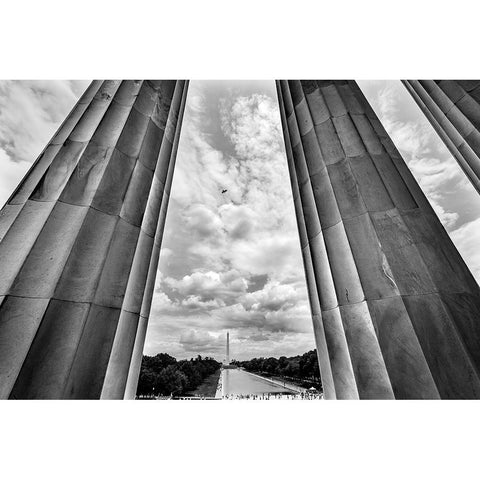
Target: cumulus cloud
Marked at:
202, 221
239, 221
201, 341
448, 219
250, 123
411, 137
435, 177
235, 263
467, 240
195, 302
30, 112
210, 285
10, 175
273, 297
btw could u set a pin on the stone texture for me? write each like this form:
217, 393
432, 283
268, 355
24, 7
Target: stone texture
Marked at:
395, 309
453, 109
79, 244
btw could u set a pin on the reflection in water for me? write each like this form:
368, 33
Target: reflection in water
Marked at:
240, 382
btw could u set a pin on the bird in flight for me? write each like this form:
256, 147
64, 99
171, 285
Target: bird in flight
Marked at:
224, 191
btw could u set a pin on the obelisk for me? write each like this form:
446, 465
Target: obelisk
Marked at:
227, 361
453, 109
79, 244
396, 312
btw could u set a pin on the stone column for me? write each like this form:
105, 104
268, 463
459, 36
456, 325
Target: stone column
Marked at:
79, 245
396, 312
453, 108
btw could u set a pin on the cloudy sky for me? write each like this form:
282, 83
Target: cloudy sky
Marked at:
232, 261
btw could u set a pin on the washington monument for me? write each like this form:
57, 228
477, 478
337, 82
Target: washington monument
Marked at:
227, 357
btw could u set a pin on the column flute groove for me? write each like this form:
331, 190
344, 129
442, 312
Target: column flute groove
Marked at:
76, 290
349, 291
416, 305
453, 109
319, 331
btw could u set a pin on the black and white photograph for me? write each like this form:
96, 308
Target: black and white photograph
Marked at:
251, 240
239, 240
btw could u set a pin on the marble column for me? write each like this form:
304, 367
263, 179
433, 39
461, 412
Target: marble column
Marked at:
79, 244
396, 312
453, 108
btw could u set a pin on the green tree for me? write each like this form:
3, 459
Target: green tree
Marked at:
163, 375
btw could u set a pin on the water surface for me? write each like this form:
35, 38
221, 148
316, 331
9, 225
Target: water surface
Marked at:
240, 382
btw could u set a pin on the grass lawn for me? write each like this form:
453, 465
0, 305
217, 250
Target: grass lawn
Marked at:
209, 386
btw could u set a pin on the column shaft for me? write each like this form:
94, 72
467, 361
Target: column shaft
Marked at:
453, 109
395, 310
79, 244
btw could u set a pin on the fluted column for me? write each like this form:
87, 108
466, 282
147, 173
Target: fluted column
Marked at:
396, 312
453, 109
79, 245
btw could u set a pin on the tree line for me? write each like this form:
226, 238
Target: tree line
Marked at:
164, 375
303, 368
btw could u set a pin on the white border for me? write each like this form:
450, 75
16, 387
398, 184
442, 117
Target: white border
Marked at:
239, 440
222, 39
